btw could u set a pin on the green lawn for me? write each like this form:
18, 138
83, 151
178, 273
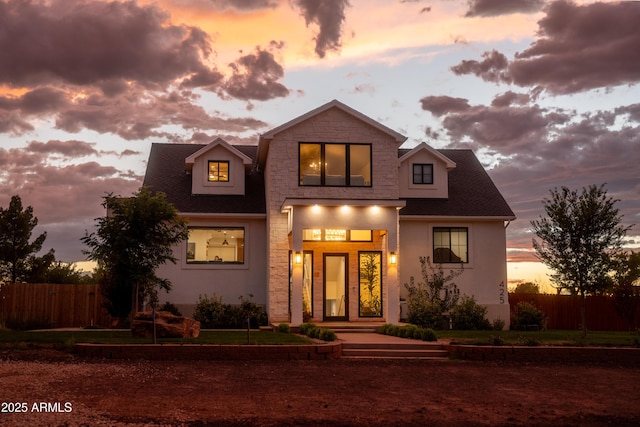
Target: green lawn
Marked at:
553, 337
8, 338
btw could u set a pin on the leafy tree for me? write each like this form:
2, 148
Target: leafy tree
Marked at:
430, 299
579, 238
527, 288
16, 226
136, 237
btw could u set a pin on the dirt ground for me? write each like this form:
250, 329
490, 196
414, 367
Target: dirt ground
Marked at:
59, 389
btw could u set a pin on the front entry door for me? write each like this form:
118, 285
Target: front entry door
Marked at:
336, 301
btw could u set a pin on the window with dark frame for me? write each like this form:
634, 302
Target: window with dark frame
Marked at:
215, 245
218, 171
334, 164
423, 173
450, 245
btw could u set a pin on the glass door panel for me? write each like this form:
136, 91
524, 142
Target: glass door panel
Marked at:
335, 287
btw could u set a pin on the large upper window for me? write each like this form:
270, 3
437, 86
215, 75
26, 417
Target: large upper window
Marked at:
422, 173
450, 245
218, 171
335, 164
215, 245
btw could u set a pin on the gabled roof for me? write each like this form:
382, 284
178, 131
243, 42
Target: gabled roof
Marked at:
424, 147
189, 161
472, 193
166, 173
263, 145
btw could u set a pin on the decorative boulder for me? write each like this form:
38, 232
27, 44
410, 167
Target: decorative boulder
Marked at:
167, 325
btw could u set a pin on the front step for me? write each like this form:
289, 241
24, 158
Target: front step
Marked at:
409, 350
342, 328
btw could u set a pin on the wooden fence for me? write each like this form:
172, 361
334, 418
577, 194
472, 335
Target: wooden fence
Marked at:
563, 311
48, 305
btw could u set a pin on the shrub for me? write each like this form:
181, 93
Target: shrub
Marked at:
171, 308
327, 335
469, 315
498, 324
428, 300
313, 332
496, 340
212, 313
426, 335
304, 327
208, 311
425, 314
409, 331
284, 328
527, 314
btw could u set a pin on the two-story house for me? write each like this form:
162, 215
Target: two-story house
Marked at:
326, 219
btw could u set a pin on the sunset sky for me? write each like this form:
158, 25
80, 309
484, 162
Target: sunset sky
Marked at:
545, 92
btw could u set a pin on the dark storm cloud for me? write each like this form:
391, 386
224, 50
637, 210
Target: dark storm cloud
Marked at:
85, 43
329, 16
502, 7
29, 172
138, 114
579, 47
492, 68
70, 149
256, 75
439, 105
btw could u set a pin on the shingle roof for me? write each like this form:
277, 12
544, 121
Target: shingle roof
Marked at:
166, 173
472, 193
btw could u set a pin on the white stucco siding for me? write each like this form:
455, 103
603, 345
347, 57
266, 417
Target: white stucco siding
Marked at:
230, 281
484, 276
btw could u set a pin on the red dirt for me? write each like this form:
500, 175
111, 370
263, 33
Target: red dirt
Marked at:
316, 393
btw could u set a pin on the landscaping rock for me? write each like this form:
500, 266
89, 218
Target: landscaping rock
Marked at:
167, 325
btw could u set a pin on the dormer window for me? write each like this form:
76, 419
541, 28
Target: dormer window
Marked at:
423, 173
218, 171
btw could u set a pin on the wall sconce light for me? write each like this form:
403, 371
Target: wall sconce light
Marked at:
298, 258
393, 258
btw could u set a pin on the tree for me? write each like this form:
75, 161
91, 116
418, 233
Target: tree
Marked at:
430, 299
626, 288
579, 240
135, 237
16, 226
527, 288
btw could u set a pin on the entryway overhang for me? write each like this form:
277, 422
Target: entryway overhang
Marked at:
369, 214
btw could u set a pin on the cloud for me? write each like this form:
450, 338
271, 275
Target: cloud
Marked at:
493, 68
579, 48
69, 149
535, 149
329, 16
439, 105
90, 42
29, 172
486, 8
256, 75
243, 5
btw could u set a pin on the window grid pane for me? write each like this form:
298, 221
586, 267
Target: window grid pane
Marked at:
218, 171
423, 173
450, 245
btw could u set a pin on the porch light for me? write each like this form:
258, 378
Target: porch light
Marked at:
393, 258
298, 258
